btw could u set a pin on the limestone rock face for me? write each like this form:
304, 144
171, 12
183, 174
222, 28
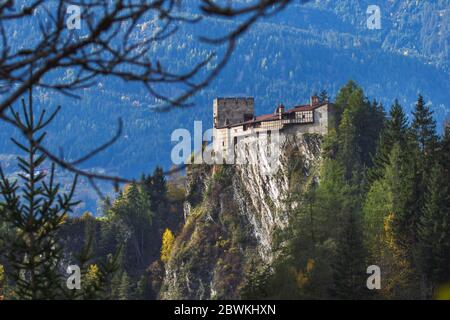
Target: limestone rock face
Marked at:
232, 213
263, 197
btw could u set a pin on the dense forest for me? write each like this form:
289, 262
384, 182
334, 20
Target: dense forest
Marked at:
380, 197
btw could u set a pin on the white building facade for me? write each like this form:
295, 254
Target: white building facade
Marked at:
235, 123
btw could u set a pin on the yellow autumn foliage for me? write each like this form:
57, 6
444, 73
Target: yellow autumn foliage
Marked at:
2, 281
93, 274
443, 292
310, 265
394, 260
167, 244
304, 276
2, 275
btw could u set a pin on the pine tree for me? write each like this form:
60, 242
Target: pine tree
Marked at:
359, 125
349, 151
323, 97
424, 127
142, 288
398, 124
350, 265
33, 213
37, 213
256, 283
125, 287
131, 212
388, 224
400, 176
434, 226
156, 187
424, 131
396, 131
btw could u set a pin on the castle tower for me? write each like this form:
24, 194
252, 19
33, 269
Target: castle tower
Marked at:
230, 111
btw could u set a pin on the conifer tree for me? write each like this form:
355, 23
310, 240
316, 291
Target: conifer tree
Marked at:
400, 177
131, 212
36, 213
142, 288
387, 224
358, 126
424, 127
398, 124
424, 132
257, 279
350, 264
323, 97
125, 287
434, 226
396, 131
156, 187
33, 213
349, 151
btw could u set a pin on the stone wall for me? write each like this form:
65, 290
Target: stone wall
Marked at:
229, 111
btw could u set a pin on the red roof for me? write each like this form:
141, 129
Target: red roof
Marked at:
304, 108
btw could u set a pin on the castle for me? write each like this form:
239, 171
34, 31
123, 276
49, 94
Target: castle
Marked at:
234, 120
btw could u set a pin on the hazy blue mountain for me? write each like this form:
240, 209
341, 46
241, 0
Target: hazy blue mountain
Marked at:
285, 59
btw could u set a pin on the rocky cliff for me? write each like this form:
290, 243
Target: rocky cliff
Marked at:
232, 213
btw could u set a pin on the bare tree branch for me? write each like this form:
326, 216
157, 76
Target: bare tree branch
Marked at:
113, 46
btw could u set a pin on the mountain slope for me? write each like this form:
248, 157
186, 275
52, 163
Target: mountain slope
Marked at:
304, 49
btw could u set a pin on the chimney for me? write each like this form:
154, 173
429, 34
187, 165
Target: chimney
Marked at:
280, 110
314, 100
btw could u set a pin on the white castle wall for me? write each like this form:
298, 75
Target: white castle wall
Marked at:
223, 138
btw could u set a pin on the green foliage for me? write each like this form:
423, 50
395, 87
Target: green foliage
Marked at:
424, 127
397, 219
305, 269
396, 131
131, 220
256, 282
358, 124
36, 213
124, 287
434, 226
350, 264
142, 288
33, 215
98, 278
156, 187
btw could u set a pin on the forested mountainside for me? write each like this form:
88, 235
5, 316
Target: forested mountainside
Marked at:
364, 194
303, 49
373, 191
